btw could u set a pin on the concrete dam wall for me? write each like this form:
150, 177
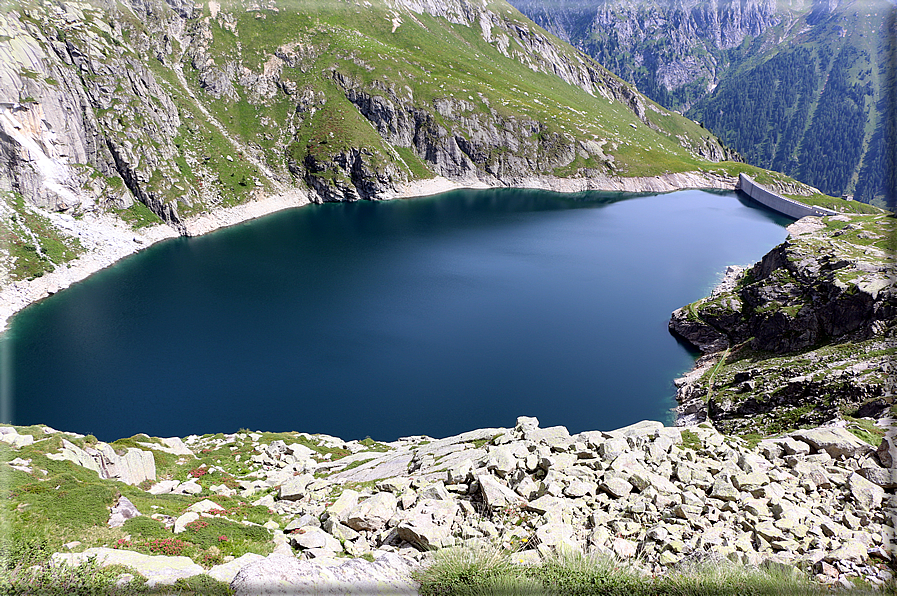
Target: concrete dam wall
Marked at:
776, 202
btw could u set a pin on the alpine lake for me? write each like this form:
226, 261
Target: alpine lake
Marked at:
433, 315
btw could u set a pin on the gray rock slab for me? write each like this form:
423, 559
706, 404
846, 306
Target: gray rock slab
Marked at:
424, 534
883, 477
339, 531
157, 569
612, 448
11, 436
644, 429
852, 550
495, 494
283, 574
552, 436
616, 487
134, 467
345, 503
436, 490
204, 506
837, 442
867, 495
373, 513
226, 572
294, 488
388, 466
189, 488
309, 537
453, 459
180, 524
173, 445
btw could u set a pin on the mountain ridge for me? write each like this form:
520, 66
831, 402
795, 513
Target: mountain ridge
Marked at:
167, 112
773, 79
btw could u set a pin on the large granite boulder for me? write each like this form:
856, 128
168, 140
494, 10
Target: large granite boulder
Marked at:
157, 569
284, 574
836, 441
134, 466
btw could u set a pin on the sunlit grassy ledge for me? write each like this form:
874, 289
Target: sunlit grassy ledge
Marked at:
246, 507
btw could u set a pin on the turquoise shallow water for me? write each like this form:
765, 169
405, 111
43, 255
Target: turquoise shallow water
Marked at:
426, 316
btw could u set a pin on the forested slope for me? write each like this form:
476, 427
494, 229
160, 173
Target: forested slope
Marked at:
799, 87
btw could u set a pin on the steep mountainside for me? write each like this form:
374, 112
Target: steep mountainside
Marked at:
674, 51
167, 110
773, 79
162, 111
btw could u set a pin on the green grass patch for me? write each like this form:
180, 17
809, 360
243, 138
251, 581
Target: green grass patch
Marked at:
416, 166
206, 540
691, 440
489, 572
138, 216
35, 246
865, 430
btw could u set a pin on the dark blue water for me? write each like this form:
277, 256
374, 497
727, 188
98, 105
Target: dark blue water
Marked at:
426, 316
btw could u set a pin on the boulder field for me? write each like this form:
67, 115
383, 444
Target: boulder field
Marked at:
821, 500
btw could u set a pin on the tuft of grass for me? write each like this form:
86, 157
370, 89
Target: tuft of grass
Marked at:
578, 574
865, 430
481, 571
691, 440
484, 571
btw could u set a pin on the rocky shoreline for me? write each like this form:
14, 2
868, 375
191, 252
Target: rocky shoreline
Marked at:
107, 239
804, 337
361, 516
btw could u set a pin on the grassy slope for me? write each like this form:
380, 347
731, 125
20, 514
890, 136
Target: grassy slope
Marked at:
434, 59
427, 58
29, 244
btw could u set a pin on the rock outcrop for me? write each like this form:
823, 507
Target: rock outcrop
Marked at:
133, 466
805, 335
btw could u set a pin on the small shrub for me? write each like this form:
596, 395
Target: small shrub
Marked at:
87, 579
202, 584
197, 525
144, 529
22, 548
170, 547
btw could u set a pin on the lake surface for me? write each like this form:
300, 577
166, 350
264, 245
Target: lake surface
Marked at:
427, 316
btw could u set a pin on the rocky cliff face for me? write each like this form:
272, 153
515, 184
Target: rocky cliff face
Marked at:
84, 121
181, 107
673, 50
804, 336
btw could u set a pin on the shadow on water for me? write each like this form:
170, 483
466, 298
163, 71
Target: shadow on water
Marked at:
773, 215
